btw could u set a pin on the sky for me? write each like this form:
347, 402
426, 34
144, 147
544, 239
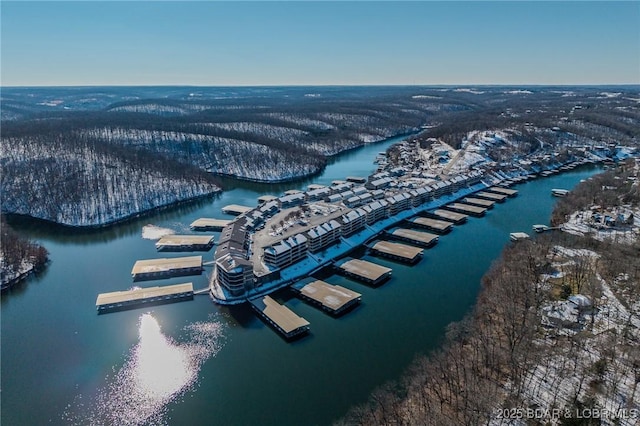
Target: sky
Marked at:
318, 43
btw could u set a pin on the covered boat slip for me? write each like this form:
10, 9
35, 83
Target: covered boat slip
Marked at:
185, 242
362, 270
455, 217
479, 202
466, 209
441, 226
130, 299
209, 224
285, 321
236, 209
166, 267
506, 191
396, 251
491, 196
422, 239
334, 299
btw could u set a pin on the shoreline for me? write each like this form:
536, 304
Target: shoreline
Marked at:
310, 265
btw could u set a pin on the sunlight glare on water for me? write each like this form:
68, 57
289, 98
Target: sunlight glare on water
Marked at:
156, 371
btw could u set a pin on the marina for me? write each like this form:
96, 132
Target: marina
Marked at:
208, 224
166, 267
506, 191
334, 299
185, 243
440, 226
283, 319
364, 271
397, 251
492, 196
466, 209
455, 217
236, 209
419, 238
479, 202
140, 297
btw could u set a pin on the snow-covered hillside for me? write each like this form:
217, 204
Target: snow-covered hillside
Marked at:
83, 183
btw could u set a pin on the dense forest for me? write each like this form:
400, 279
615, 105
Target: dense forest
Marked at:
18, 256
530, 342
91, 156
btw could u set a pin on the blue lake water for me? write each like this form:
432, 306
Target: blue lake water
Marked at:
199, 363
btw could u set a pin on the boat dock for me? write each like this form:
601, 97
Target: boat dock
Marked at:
493, 196
506, 191
419, 238
284, 320
334, 299
236, 209
266, 198
487, 204
441, 226
207, 224
356, 179
185, 243
466, 209
362, 270
454, 217
130, 299
517, 236
396, 251
162, 268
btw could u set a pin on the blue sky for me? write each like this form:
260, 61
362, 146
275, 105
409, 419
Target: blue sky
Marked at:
307, 43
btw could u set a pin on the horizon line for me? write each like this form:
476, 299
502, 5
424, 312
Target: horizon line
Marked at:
329, 85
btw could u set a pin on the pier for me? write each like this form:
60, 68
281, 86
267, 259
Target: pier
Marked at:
266, 198
518, 236
284, 320
207, 224
167, 267
236, 209
491, 196
506, 191
130, 299
454, 217
479, 202
334, 299
185, 243
466, 209
396, 251
364, 271
419, 238
356, 179
441, 226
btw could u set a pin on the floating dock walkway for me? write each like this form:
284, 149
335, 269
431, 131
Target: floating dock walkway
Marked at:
166, 267
479, 202
396, 251
334, 299
185, 243
491, 196
207, 224
466, 209
440, 226
419, 238
284, 320
364, 271
506, 191
236, 209
454, 217
130, 299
